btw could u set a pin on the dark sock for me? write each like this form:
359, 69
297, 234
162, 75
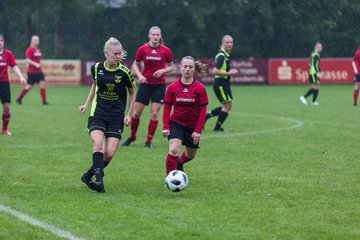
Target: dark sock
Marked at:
316, 92
90, 172
98, 163
221, 119
309, 93
215, 112
356, 94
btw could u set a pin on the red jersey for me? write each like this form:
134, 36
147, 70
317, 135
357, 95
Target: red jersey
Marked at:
189, 103
33, 54
6, 59
356, 59
154, 59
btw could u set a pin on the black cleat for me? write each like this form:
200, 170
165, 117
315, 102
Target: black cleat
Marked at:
45, 103
18, 101
355, 104
219, 129
180, 166
97, 186
128, 141
148, 145
86, 179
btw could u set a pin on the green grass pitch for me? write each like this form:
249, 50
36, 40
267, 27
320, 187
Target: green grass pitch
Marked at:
282, 170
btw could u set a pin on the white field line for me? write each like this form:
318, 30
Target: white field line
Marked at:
297, 124
33, 221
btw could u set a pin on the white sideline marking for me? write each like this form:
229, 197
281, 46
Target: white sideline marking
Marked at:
48, 227
297, 124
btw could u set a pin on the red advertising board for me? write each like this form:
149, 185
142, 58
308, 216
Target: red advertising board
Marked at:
295, 71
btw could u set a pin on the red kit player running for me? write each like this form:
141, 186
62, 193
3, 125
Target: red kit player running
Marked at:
158, 61
189, 99
6, 59
34, 71
356, 66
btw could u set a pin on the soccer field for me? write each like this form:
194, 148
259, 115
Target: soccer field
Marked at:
282, 170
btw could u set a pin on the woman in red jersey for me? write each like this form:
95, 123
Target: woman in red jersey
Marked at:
34, 72
158, 61
6, 59
189, 99
356, 67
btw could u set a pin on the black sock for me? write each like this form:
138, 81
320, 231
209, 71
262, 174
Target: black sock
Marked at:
214, 112
316, 92
309, 93
98, 163
221, 119
105, 164
91, 171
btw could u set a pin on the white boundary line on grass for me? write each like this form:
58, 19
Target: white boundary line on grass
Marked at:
297, 124
33, 221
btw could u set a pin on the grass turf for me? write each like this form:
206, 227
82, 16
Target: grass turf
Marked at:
256, 181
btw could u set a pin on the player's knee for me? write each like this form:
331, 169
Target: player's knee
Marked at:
154, 115
137, 115
98, 146
6, 108
174, 150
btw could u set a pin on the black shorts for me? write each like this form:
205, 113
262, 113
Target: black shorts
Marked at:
222, 90
153, 92
5, 92
182, 133
357, 78
313, 79
111, 127
35, 78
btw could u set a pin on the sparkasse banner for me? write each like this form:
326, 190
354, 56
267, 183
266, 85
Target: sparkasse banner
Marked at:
295, 71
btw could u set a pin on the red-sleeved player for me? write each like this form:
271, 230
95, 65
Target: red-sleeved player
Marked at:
356, 66
158, 61
189, 99
34, 71
7, 59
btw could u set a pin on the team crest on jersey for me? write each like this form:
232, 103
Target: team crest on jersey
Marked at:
186, 90
110, 87
118, 79
153, 51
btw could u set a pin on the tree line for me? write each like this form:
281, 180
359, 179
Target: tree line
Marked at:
260, 28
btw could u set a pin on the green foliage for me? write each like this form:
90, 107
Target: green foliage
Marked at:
292, 184
262, 29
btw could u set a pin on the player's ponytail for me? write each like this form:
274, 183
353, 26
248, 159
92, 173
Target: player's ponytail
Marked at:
200, 68
114, 42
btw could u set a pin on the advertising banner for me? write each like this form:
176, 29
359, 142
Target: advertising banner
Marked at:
295, 71
57, 72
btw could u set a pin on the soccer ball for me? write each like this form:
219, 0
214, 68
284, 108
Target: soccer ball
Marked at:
176, 181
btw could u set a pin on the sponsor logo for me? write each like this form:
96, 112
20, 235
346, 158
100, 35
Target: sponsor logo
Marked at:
185, 90
101, 72
154, 51
110, 87
2, 64
284, 71
185, 99
118, 79
153, 58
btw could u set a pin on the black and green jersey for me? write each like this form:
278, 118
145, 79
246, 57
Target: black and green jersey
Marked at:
111, 90
314, 66
222, 62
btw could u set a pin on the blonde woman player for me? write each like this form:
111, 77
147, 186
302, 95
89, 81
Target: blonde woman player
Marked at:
108, 94
7, 60
157, 60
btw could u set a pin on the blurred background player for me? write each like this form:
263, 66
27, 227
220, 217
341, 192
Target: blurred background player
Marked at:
184, 125
34, 71
106, 121
158, 61
7, 59
356, 67
223, 72
314, 75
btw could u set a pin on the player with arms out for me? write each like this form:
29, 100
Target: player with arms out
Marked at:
34, 71
108, 95
223, 73
356, 67
314, 75
158, 61
188, 100
7, 59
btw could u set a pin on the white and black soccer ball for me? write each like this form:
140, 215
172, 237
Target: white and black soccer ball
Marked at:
176, 181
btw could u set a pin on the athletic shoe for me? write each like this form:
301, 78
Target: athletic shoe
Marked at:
303, 100
355, 104
220, 129
148, 145
179, 166
45, 103
128, 141
6, 132
97, 186
86, 179
315, 103
18, 101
